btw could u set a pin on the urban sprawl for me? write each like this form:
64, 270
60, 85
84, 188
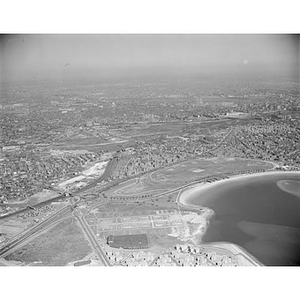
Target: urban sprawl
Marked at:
93, 165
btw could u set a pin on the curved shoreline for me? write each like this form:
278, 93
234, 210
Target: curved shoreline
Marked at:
185, 194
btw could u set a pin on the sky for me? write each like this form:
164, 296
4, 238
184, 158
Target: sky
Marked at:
63, 57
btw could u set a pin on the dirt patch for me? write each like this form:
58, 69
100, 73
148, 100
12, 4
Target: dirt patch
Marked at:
158, 241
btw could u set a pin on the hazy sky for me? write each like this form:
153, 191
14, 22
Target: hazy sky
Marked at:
61, 57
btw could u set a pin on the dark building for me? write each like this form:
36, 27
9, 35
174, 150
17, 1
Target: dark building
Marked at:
128, 241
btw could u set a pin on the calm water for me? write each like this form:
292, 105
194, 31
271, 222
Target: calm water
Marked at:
261, 214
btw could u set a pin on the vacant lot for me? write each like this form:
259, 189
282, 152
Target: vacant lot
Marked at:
59, 246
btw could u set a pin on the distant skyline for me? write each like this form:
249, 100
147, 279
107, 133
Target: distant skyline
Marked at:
84, 57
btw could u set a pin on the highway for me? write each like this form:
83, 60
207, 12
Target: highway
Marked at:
24, 237
39, 227
109, 168
117, 182
34, 206
36, 234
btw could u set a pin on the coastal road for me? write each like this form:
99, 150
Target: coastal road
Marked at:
197, 181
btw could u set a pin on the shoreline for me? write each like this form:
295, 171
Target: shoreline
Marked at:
186, 193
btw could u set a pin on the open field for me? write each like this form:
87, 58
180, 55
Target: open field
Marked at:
62, 244
158, 241
175, 176
13, 227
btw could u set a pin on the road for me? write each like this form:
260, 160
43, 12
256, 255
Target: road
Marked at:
34, 235
93, 240
165, 253
39, 227
20, 240
223, 140
117, 182
55, 199
24, 237
109, 168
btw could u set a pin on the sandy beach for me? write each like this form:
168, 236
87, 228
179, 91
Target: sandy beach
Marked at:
184, 196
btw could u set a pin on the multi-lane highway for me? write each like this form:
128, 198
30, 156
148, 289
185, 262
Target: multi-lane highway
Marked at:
24, 237
108, 170
39, 227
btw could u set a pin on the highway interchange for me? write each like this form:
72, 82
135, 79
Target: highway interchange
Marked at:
60, 215
23, 238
